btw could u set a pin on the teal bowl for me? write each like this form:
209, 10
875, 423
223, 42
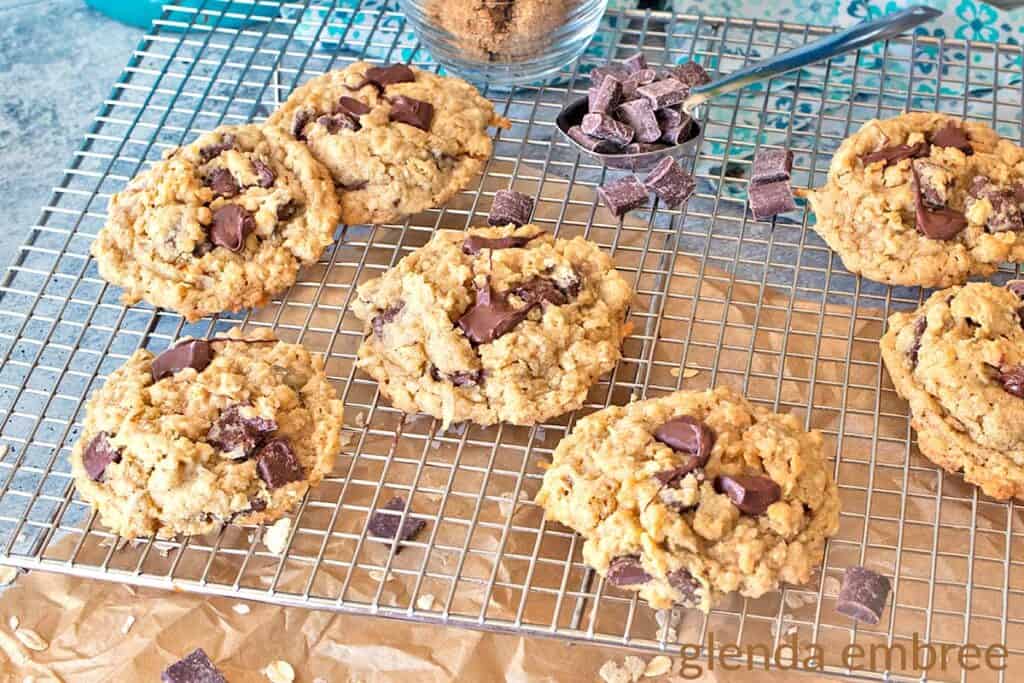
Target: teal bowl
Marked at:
141, 13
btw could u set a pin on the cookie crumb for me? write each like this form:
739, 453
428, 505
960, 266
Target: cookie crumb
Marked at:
240, 608
690, 373
611, 672
377, 575
658, 666
795, 600
14, 622
8, 575
635, 667
831, 586
128, 623
425, 601
275, 537
31, 639
280, 672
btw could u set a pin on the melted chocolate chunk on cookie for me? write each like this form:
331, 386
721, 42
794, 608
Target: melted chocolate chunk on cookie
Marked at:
352, 107
353, 187
541, 290
1006, 210
300, 120
1011, 377
97, 455
751, 494
934, 192
238, 436
383, 76
460, 378
264, 173
936, 224
287, 211
386, 316
920, 325
337, 122
386, 522
474, 244
896, 153
231, 225
413, 112
688, 587
210, 151
193, 353
953, 135
686, 434
1017, 287
221, 182
627, 570
863, 595
490, 317
277, 464
196, 667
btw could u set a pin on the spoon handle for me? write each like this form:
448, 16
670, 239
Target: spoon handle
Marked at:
850, 39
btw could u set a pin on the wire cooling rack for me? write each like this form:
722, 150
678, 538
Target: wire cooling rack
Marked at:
721, 299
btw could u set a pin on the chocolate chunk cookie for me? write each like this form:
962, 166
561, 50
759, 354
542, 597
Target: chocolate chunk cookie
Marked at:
923, 199
219, 225
494, 324
231, 429
398, 140
959, 361
694, 495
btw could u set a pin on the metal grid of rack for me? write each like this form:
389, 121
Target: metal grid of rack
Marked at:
721, 299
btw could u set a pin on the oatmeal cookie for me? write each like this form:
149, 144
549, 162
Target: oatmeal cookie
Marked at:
923, 199
494, 324
959, 361
397, 139
219, 225
231, 429
694, 495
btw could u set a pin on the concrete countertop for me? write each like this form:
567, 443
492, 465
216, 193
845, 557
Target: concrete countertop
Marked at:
58, 59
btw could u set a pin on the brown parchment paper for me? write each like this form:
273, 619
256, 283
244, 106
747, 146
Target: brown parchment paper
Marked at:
901, 517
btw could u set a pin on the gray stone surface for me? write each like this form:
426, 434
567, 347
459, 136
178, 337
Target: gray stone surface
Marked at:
58, 59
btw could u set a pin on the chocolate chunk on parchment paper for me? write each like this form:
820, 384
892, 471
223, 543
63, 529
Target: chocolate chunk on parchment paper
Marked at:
863, 595
386, 522
770, 199
195, 667
670, 182
510, 206
623, 195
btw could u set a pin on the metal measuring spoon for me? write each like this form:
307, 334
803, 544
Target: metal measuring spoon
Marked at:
830, 46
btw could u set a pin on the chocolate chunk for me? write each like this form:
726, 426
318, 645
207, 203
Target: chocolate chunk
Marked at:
687, 434
591, 143
639, 115
337, 122
231, 225
264, 173
1012, 379
540, 290
675, 126
237, 435
490, 317
300, 120
277, 464
386, 522
751, 494
1017, 287
642, 147
221, 182
210, 151
892, 155
670, 182
474, 244
770, 199
510, 206
97, 455
688, 587
606, 128
634, 81
287, 211
623, 195
389, 74
931, 178
953, 135
353, 107
920, 325
635, 63
664, 93
937, 224
673, 478
192, 353
627, 570
602, 98
196, 667
771, 165
354, 187
257, 505
690, 74
386, 316
863, 595
460, 378
416, 113
1006, 210
598, 75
